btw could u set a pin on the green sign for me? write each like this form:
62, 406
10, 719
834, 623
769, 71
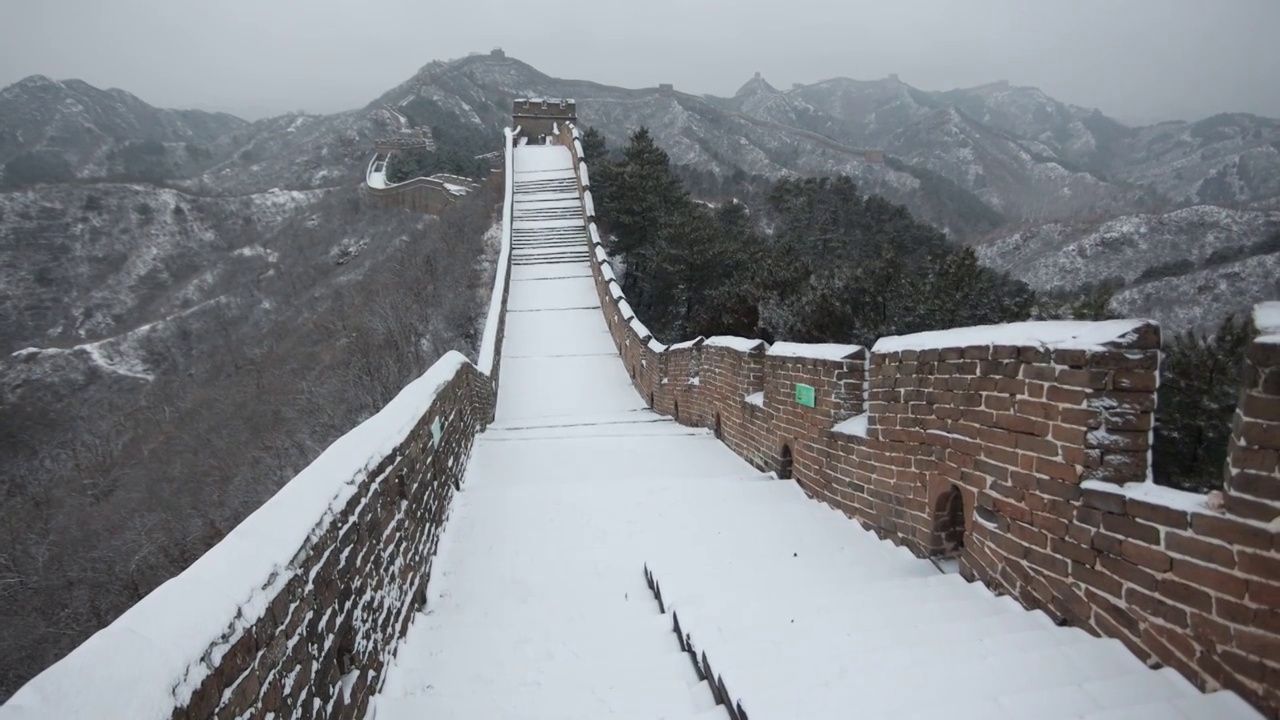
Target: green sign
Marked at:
804, 394
435, 431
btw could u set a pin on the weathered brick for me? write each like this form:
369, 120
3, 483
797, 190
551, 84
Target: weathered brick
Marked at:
1145, 556
1231, 531
1131, 528
1201, 550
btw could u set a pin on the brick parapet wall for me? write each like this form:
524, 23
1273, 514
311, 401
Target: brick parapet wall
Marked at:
1049, 453
1253, 461
321, 646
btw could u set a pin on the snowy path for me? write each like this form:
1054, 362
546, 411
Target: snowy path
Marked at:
539, 607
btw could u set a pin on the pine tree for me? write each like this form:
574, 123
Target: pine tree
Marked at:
1199, 388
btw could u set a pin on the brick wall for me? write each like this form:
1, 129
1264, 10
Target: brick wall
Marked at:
320, 647
1027, 463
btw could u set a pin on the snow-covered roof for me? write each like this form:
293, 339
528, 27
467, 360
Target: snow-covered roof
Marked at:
624, 308
814, 351
1052, 334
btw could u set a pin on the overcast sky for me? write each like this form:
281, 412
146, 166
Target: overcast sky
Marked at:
1138, 60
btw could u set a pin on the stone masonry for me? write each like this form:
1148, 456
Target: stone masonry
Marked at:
1028, 465
320, 648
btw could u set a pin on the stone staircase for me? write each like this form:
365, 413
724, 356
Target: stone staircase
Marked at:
547, 224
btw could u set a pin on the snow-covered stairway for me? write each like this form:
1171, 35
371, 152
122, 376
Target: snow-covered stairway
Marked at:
546, 225
537, 610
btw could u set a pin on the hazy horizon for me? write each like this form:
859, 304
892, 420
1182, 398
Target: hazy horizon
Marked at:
1147, 61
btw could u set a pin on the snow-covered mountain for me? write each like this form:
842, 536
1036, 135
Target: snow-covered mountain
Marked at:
56, 131
974, 161
1185, 268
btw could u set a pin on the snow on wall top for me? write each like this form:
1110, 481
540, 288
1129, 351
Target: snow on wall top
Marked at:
813, 351
489, 343
152, 657
736, 343
1053, 334
640, 329
1266, 317
687, 343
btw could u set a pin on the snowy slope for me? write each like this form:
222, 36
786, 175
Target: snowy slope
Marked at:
1214, 261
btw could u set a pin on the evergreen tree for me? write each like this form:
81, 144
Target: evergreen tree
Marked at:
1199, 388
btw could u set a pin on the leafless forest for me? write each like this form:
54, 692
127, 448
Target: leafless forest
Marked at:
112, 484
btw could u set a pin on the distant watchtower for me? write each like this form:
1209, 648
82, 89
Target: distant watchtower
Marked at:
666, 89
537, 117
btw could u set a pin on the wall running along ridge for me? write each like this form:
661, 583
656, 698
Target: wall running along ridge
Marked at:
297, 610
1027, 443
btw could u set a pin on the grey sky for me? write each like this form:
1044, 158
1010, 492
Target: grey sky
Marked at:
1137, 60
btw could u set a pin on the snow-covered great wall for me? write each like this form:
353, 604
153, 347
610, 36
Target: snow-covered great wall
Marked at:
1019, 452
296, 612
1022, 451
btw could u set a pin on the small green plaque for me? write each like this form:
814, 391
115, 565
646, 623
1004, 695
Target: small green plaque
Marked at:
804, 394
435, 432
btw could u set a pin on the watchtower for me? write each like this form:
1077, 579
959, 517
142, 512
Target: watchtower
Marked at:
537, 117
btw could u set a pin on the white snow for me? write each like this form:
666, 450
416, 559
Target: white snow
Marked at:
1154, 494
656, 346
153, 657
582, 173
117, 360
736, 343
257, 251
1266, 317
376, 175
1053, 334
489, 343
687, 343
814, 351
856, 426
639, 328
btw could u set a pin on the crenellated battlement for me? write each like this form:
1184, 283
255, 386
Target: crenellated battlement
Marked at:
541, 117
